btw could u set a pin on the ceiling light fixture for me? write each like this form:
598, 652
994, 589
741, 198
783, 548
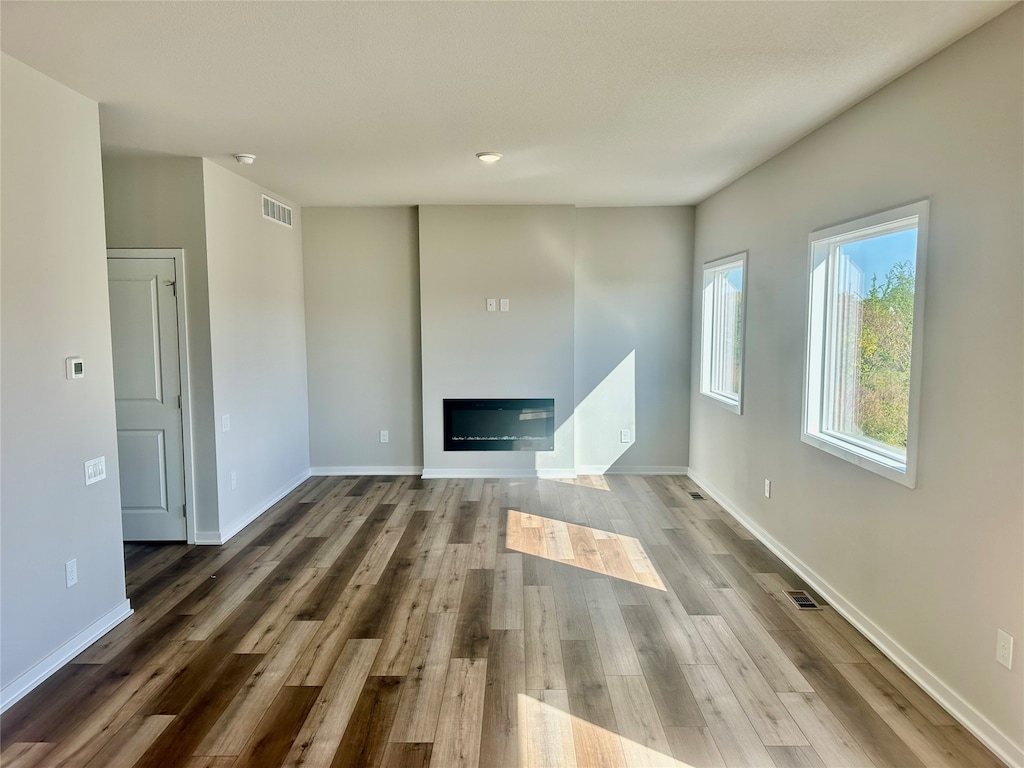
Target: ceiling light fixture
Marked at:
245, 158
488, 157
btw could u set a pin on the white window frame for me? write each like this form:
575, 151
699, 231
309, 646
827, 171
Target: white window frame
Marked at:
864, 452
707, 335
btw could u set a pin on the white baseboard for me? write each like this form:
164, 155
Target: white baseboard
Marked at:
600, 469
23, 684
986, 731
353, 471
204, 538
437, 474
222, 536
554, 474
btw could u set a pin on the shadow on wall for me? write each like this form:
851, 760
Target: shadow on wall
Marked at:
600, 417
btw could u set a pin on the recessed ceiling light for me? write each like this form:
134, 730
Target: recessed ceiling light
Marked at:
488, 157
245, 158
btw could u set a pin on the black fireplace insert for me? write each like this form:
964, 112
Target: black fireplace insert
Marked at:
499, 425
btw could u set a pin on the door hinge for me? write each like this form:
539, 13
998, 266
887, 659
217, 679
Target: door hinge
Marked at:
179, 402
174, 287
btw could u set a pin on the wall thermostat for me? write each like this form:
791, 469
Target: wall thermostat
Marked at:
74, 367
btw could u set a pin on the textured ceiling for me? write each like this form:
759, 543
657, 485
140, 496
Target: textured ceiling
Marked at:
602, 103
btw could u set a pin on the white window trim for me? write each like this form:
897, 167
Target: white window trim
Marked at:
878, 460
716, 265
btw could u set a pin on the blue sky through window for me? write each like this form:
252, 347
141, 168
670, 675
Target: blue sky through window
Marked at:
735, 278
877, 255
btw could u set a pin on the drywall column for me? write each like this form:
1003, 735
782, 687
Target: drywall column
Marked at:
54, 305
467, 255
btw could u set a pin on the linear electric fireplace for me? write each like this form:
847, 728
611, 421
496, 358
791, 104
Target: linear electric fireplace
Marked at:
499, 425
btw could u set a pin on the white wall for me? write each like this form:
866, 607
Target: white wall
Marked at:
524, 254
633, 294
157, 202
630, 284
363, 338
258, 347
937, 569
54, 305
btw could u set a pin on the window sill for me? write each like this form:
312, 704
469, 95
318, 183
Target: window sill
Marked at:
729, 405
877, 463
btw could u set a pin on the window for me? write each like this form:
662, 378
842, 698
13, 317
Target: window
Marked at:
721, 340
864, 340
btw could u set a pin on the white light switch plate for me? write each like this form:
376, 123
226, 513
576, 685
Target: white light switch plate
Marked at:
71, 572
1004, 648
623, 435
225, 422
491, 305
95, 470
384, 436
504, 305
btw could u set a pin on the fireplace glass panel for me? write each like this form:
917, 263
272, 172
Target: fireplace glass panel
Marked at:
499, 425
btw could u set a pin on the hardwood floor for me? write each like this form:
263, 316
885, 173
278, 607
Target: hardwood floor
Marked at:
608, 621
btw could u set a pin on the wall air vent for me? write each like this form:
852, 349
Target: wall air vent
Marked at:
802, 600
276, 211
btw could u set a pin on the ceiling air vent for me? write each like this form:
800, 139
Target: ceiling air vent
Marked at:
276, 211
803, 601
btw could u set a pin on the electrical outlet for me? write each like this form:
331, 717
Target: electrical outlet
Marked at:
234, 481
623, 435
95, 470
384, 436
767, 488
1004, 649
225, 422
71, 572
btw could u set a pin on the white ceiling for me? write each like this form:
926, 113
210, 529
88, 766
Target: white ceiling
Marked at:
600, 103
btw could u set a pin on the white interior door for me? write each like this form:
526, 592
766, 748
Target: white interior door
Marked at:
147, 385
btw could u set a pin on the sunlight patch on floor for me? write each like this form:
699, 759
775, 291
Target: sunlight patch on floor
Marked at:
550, 736
610, 554
590, 482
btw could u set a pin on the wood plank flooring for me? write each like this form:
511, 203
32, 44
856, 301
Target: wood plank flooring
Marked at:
392, 621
